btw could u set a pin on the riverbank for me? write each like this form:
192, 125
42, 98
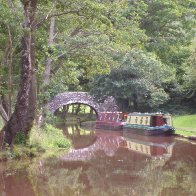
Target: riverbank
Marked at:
185, 126
48, 141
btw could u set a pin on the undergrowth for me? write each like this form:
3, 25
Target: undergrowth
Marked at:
47, 140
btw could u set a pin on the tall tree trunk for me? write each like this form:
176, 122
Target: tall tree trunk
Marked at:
3, 112
78, 109
4, 108
21, 120
47, 70
9, 63
65, 111
91, 112
135, 102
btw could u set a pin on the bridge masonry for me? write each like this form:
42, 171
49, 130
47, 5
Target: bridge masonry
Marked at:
68, 98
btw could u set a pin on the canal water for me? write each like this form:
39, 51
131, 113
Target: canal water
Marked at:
107, 163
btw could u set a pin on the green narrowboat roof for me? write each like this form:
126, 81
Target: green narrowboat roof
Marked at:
146, 114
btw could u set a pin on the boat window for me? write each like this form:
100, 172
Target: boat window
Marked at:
136, 119
146, 122
141, 120
103, 117
167, 120
117, 117
125, 117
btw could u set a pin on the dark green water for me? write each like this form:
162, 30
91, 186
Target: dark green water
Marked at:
105, 163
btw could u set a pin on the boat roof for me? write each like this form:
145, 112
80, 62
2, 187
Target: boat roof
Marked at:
110, 112
147, 114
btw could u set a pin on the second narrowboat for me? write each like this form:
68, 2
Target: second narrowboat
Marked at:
149, 124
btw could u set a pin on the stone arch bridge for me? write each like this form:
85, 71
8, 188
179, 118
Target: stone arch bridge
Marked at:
85, 98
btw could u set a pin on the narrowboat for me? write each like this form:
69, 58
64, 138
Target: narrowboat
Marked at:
149, 124
110, 120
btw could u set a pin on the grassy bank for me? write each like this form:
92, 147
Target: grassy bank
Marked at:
48, 140
185, 125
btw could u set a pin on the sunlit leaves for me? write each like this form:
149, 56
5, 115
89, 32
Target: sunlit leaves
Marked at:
190, 74
170, 26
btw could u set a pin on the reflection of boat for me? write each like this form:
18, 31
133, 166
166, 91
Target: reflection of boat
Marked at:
110, 120
149, 123
151, 146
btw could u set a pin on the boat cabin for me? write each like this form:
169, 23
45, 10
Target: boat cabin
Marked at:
110, 120
149, 119
111, 116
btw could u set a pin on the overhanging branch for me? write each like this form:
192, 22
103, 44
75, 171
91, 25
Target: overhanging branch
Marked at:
48, 16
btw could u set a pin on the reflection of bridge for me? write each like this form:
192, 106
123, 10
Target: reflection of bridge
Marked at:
85, 98
105, 143
110, 141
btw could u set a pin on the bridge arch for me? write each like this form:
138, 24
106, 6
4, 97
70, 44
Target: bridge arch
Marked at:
85, 98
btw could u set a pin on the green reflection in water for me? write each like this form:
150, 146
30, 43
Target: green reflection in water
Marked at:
134, 175
126, 172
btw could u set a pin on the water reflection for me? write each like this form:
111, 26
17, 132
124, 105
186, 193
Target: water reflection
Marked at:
110, 163
80, 137
110, 141
153, 146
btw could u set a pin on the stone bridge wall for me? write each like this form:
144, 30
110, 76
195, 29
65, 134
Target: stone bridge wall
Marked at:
68, 98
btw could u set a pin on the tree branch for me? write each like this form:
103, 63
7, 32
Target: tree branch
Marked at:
3, 113
37, 25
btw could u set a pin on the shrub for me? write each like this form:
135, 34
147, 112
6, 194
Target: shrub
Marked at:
20, 138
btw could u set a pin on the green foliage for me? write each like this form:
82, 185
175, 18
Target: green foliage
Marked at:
139, 42
139, 79
50, 118
170, 29
190, 74
20, 138
48, 138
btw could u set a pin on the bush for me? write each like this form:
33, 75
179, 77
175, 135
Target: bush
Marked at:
20, 138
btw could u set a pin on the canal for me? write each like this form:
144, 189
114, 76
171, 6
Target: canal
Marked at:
105, 163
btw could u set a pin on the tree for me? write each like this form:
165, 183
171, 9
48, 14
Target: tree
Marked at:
82, 12
9, 56
169, 26
136, 84
24, 113
190, 78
